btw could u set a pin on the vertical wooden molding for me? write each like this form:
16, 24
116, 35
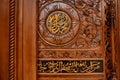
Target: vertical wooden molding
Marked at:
113, 23
117, 37
112, 10
111, 29
12, 40
113, 38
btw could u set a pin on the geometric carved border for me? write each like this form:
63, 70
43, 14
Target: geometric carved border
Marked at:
12, 40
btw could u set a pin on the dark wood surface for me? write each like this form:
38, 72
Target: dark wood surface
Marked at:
25, 58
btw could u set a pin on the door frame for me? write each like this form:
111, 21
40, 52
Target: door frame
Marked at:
22, 65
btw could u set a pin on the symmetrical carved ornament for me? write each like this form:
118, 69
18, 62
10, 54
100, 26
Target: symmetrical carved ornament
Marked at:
58, 26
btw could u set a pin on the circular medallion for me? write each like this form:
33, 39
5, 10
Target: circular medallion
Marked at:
58, 23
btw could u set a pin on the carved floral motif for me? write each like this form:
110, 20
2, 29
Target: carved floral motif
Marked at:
45, 54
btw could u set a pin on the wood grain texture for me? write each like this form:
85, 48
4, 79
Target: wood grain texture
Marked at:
4, 39
20, 40
29, 40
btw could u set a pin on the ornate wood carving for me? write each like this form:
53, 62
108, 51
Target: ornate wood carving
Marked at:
80, 39
86, 19
59, 54
110, 47
12, 40
69, 30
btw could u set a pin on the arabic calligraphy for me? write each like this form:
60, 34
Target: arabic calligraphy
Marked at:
83, 66
58, 23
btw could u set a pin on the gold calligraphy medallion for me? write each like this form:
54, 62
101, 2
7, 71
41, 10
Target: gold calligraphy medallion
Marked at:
58, 26
58, 23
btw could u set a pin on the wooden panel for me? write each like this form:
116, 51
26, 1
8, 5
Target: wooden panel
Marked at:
20, 40
4, 39
70, 35
29, 40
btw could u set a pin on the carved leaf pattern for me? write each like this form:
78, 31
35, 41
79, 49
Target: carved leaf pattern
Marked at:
43, 54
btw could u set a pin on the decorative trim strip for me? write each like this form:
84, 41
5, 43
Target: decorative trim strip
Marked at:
12, 39
110, 48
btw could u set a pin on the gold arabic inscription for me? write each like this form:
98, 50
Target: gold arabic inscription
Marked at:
69, 66
58, 23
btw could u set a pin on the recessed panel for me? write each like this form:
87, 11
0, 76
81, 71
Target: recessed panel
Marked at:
70, 39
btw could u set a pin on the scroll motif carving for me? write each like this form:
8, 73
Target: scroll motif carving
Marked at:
82, 66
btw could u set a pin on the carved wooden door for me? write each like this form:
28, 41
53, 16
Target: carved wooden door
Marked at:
59, 39
63, 40
71, 40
